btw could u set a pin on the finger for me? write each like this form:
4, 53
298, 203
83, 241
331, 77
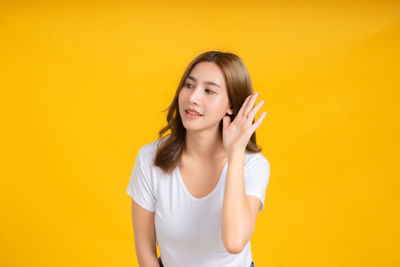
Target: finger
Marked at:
258, 122
243, 106
254, 111
250, 104
226, 121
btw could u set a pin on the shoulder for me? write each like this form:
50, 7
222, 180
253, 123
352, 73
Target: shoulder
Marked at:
148, 151
255, 159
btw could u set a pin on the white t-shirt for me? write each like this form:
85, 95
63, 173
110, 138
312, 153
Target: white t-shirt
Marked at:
188, 229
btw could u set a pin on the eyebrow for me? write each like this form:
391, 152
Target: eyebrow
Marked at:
206, 82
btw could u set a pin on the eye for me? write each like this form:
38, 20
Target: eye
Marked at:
210, 91
188, 85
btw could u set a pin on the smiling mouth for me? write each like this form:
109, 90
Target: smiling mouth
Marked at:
189, 114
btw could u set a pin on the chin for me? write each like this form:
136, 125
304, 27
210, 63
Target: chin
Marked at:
192, 127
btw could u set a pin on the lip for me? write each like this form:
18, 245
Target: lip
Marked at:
193, 110
192, 116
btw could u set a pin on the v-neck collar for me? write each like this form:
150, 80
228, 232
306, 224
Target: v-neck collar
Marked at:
209, 194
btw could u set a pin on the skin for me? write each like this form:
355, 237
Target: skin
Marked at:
203, 144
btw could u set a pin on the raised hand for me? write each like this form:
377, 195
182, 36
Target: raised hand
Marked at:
236, 134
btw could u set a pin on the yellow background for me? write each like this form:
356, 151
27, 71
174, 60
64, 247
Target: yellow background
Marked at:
82, 86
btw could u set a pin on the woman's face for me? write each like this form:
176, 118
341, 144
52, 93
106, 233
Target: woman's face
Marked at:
205, 92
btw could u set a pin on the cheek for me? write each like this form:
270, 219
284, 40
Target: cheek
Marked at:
180, 98
217, 105
183, 94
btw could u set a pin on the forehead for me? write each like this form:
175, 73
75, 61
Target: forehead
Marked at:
208, 72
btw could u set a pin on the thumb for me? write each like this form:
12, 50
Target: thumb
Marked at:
226, 121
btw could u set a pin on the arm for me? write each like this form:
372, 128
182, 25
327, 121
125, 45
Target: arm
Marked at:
145, 236
239, 211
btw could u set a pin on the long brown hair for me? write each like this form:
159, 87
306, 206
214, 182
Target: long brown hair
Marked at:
239, 86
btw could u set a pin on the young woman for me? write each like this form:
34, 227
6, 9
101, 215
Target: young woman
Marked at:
196, 192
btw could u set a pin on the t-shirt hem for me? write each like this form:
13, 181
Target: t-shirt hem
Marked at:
257, 196
140, 203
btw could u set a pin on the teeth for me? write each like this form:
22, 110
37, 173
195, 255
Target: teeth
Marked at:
193, 113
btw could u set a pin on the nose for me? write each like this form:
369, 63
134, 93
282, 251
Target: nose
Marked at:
195, 95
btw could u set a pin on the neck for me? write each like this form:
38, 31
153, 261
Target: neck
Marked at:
204, 145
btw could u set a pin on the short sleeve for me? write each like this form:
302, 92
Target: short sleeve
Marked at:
140, 186
256, 176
